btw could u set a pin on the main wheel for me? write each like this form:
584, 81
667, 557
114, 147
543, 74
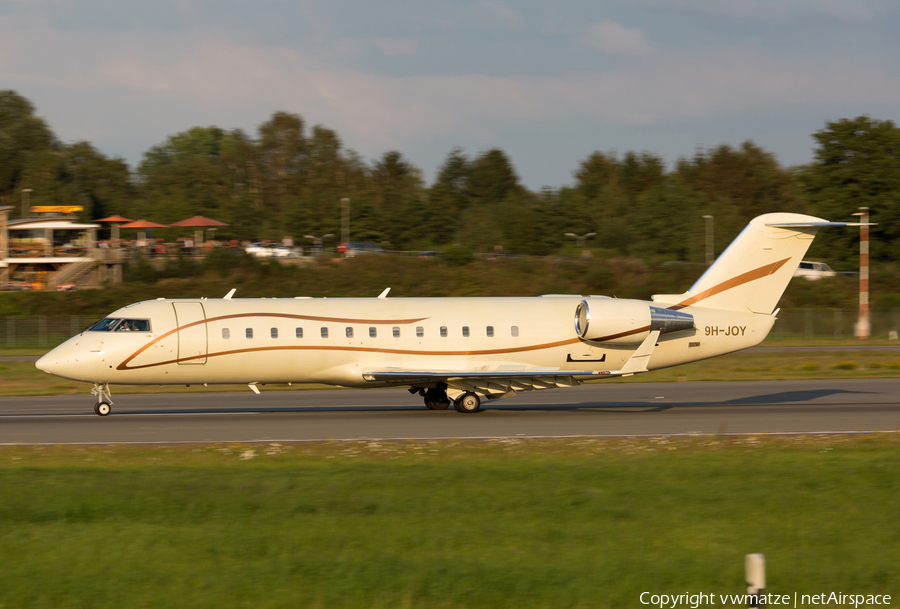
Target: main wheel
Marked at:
435, 399
101, 408
468, 403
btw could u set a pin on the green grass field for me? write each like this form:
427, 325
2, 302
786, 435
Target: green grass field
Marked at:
588, 523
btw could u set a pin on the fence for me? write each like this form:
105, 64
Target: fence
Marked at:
45, 331
40, 331
833, 323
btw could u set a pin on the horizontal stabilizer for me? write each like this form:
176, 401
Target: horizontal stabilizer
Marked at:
817, 224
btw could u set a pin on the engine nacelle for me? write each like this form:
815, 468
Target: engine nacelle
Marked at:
613, 320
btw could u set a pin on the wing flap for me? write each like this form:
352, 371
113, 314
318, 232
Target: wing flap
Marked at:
498, 383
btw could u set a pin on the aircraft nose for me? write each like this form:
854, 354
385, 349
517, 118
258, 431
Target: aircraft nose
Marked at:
61, 362
48, 363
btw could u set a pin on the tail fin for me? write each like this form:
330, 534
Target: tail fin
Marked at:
753, 272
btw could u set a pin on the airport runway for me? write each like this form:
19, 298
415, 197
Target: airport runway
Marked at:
590, 410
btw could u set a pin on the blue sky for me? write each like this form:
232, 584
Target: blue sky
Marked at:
547, 82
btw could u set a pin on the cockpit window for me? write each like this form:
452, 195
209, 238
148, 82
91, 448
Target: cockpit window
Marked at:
107, 325
113, 324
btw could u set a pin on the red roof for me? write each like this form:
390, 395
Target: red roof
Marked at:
143, 224
199, 221
114, 219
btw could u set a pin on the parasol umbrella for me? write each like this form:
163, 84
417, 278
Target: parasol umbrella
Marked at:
199, 222
142, 225
115, 227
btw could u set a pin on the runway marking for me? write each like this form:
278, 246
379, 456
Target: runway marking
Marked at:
445, 438
119, 414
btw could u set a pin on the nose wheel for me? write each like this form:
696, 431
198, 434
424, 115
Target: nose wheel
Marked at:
101, 390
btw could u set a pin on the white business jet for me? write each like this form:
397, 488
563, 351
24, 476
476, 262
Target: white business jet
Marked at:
457, 351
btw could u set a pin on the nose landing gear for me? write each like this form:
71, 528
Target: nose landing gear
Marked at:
101, 390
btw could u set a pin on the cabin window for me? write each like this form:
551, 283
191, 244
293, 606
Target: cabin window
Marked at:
274, 332
466, 331
299, 332
249, 332
514, 331
490, 331
396, 332
349, 332
443, 331
373, 332
226, 333
420, 331
324, 332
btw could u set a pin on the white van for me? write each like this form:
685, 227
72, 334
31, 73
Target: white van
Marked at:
814, 270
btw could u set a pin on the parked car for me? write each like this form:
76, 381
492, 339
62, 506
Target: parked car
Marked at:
814, 270
270, 250
357, 248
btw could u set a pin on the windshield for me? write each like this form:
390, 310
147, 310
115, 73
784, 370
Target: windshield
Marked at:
113, 324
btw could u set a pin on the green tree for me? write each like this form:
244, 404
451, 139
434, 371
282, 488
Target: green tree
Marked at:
104, 185
22, 136
857, 163
447, 199
738, 185
183, 176
749, 177
399, 200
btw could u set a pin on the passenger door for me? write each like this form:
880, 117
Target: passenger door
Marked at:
192, 336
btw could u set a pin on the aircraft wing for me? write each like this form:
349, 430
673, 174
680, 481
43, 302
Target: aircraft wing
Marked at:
499, 383
493, 384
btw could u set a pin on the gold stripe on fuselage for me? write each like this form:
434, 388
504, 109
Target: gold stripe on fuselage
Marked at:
124, 365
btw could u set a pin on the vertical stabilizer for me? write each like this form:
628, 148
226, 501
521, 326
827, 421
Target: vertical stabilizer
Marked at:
753, 272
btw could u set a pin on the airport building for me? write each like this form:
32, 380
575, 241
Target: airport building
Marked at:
54, 251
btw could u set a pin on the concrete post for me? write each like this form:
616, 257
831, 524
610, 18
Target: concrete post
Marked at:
4, 245
863, 326
755, 574
345, 220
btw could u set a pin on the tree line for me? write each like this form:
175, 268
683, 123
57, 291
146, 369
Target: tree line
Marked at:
289, 180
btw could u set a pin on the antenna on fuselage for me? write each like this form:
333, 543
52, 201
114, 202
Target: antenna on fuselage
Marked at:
230, 294
384, 294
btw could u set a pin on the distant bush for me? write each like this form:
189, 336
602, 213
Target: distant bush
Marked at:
458, 255
178, 267
845, 366
223, 260
139, 271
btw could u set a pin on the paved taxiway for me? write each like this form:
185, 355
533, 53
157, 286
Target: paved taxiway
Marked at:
591, 410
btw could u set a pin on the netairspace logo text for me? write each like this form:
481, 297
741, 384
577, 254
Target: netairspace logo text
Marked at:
694, 601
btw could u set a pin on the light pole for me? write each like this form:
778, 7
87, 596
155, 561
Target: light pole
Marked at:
345, 221
710, 238
26, 198
863, 326
317, 242
579, 239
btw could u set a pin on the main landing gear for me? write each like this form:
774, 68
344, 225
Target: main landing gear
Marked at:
436, 399
101, 390
468, 403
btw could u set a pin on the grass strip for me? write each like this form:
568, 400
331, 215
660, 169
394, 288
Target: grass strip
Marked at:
578, 523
